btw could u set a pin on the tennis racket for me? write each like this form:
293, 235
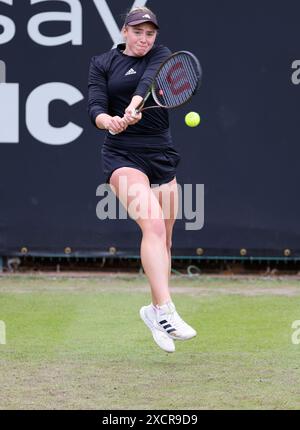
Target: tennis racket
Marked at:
175, 82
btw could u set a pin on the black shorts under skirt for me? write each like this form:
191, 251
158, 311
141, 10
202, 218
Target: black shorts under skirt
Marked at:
158, 164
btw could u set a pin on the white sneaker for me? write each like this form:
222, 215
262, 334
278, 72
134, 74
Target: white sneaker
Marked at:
168, 318
148, 315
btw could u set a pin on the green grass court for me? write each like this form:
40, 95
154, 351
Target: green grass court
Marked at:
78, 343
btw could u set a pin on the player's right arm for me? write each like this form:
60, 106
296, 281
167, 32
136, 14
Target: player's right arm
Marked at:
112, 123
98, 99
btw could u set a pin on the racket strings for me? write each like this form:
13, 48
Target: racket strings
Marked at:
177, 80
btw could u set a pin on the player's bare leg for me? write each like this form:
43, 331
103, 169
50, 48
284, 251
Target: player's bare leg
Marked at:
154, 253
166, 315
160, 316
167, 195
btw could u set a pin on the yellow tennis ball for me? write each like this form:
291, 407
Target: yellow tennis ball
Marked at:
192, 119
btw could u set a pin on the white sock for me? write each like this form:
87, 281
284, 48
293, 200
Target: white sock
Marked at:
166, 308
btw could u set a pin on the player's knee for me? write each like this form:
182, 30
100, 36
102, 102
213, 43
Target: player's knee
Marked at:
156, 227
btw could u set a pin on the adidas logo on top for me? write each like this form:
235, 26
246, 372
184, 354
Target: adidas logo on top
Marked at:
130, 72
146, 16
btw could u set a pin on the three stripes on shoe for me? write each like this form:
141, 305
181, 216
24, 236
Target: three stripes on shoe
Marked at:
167, 326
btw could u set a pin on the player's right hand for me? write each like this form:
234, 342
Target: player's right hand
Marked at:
116, 124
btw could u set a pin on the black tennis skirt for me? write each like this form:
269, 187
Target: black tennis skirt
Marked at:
158, 164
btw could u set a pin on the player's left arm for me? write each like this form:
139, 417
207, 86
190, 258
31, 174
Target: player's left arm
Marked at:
131, 117
158, 56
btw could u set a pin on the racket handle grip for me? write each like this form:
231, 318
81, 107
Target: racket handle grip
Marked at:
112, 132
135, 112
140, 106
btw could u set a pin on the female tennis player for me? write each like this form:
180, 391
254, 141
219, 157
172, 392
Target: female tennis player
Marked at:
138, 151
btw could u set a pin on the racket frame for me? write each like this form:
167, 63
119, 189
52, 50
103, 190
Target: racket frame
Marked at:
151, 90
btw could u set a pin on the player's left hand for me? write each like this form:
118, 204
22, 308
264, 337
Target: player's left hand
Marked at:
131, 117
